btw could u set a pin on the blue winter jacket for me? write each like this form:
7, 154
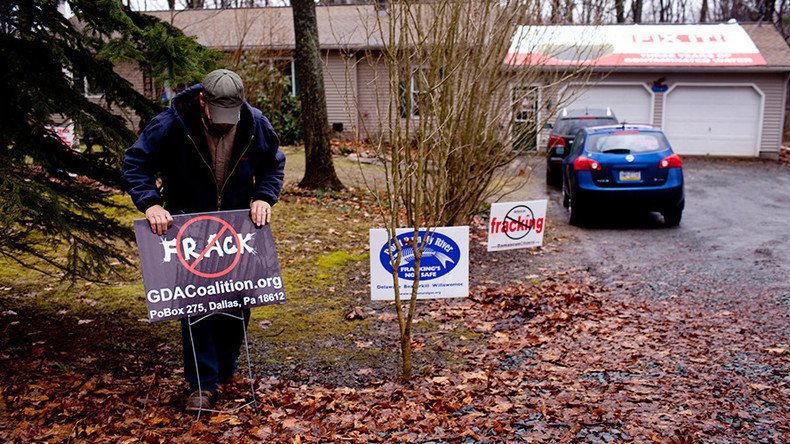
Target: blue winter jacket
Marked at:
173, 147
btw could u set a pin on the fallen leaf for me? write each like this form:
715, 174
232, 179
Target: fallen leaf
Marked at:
776, 350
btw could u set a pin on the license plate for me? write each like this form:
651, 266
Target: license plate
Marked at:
630, 175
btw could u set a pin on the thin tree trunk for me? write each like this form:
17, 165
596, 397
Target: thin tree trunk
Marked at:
636, 8
405, 347
569, 5
767, 10
703, 12
619, 8
556, 6
319, 169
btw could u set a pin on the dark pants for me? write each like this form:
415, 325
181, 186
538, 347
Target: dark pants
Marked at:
217, 339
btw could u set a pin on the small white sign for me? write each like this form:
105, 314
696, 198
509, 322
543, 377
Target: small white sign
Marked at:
516, 225
444, 267
65, 133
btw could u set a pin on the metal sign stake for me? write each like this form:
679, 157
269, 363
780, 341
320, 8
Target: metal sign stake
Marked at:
190, 322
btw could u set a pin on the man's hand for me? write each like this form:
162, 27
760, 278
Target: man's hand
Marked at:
260, 212
159, 218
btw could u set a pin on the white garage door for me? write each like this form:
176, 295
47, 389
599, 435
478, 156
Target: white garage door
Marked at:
717, 120
630, 103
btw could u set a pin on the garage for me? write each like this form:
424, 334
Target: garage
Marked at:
630, 103
720, 120
715, 89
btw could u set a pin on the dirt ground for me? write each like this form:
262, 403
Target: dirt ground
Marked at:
623, 332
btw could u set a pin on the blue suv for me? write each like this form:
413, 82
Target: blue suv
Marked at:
622, 167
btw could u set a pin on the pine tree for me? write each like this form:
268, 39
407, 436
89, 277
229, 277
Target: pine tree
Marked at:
56, 203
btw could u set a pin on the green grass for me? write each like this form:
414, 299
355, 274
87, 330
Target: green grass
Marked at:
322, 245
353, 174
319, 244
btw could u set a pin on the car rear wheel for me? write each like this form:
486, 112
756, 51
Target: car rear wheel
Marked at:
553, 177
672, 216
576, 215
565, 199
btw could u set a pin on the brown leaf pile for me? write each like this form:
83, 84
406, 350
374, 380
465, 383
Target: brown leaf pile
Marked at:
563, 360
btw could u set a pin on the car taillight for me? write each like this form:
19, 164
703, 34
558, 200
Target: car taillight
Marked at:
672, 161
585, 164
556, 141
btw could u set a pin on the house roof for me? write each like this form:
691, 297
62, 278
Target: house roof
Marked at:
772, 46
339, 27
639, 47
357, 27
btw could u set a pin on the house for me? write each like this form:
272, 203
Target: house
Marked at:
346, 33
716, 89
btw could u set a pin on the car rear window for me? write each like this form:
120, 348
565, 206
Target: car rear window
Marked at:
570, 126
627, 142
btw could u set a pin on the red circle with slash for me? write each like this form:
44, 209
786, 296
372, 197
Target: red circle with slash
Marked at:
193, 267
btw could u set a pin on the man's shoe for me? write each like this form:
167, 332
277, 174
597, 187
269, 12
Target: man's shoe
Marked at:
198, 400
237, 380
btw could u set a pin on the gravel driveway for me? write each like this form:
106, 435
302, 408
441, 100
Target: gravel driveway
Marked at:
735, 234
703, 309
734, 237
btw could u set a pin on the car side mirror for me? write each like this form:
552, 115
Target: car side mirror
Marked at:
548, 126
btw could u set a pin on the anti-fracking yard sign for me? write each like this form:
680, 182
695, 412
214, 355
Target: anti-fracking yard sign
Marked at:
444, 264
516, 225
206, 263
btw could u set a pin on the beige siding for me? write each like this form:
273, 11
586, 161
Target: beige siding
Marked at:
130, 72
340, 82
133, 75
658, 108
372, 95
786, 132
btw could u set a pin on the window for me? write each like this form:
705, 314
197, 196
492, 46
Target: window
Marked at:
284, 66
578, 141
85, 85
412, 91
524, 105
525, 101
570, 126
289, 71
623, 142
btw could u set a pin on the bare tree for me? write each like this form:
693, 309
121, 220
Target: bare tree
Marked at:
703, 11
636, 10
458, 112
619, 7
556, 11
569, 7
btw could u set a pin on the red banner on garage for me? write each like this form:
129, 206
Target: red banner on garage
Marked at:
634, 45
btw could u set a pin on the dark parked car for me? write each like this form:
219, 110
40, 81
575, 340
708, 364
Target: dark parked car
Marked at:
622, 167
562, 132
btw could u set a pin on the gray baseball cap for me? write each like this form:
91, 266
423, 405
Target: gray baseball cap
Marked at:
224, 93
